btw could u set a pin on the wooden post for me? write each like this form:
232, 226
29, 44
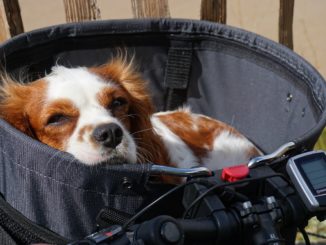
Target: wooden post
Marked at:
285, 32
4, 27
213, 10
150, 8
81, 10
11, 23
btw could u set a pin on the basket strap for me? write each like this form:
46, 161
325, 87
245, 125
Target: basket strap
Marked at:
17, 229
177, 75
110, 216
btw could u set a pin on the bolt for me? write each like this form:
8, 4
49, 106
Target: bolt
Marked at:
270, 200
247, 205
126, 183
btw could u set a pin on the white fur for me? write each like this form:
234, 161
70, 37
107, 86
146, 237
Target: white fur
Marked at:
228, 150
62, 84
185, 109
180, 154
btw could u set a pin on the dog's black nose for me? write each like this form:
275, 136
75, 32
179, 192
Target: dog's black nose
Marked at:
109, 135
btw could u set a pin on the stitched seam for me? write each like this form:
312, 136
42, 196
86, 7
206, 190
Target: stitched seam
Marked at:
52, 179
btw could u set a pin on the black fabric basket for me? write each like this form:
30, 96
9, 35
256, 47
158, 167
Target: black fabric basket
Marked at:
263, 89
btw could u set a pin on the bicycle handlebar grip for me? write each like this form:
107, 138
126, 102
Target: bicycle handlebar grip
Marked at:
161, 230
199, 229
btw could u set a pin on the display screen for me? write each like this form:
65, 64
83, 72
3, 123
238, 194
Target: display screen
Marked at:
315, 171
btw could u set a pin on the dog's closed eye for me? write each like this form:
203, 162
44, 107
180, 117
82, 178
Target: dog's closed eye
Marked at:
57, 119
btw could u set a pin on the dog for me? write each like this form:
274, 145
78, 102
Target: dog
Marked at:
105, 115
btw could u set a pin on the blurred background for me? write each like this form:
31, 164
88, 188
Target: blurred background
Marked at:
259, 16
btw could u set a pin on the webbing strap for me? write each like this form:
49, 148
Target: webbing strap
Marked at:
23, 231
110, 216
177, 76
5, 238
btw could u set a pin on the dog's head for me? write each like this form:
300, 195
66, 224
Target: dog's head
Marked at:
98, 114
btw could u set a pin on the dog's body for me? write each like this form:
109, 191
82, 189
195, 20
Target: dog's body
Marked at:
105, 115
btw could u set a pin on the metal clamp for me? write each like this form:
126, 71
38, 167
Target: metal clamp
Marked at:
266, 159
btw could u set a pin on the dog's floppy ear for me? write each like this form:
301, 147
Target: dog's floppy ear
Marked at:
14, 100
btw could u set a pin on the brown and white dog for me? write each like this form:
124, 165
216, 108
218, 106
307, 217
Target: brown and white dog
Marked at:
105, 115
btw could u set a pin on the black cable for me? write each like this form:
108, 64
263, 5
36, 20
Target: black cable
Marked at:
200, 197
316, 235
145, 209
304, 235
235, 195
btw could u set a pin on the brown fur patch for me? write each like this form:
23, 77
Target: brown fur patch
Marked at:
24, 107
18, 101
56, 135
105, 97
197, 131
83, 130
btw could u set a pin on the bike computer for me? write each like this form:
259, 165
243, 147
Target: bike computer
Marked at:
308, 174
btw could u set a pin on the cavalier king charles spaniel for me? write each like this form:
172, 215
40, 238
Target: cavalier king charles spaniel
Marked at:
105, 114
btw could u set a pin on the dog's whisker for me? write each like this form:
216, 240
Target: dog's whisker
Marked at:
53, 156
69, 166
141, 144
142, 158
140, 131
145, 152
146, 147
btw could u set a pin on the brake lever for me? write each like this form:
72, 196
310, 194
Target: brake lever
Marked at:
267, 159
180, 172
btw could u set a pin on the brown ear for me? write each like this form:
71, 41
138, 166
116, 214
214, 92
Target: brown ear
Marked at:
14, 98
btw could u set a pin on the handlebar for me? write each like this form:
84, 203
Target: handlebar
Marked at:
261, 208
256, 210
